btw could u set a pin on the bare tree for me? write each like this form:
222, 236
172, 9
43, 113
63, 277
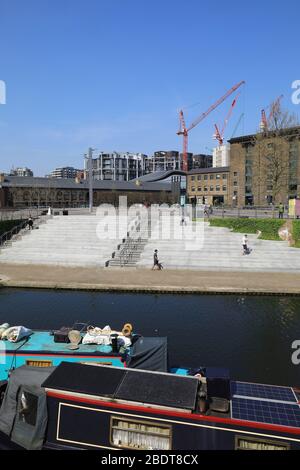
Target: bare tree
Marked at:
271, 170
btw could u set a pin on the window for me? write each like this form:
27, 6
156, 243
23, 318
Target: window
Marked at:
224, 176
193, 188
269, 187
38, 363
199, 177
211, 177
193, 178
199, 188
205, 188
218, 177
205, 177
218, 188
235, 193
235, 173
251, 443
211, 188
235, 183
293, 187
224, 188
139, 435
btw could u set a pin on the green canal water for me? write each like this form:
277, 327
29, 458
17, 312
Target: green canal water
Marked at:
252, 336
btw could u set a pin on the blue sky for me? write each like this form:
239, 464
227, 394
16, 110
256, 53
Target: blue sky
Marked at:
112, 73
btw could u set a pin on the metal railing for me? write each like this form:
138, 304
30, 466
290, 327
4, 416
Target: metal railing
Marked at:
129, 249
7, 236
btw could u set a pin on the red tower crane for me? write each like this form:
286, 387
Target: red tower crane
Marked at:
184, 131
264, 124
220, 135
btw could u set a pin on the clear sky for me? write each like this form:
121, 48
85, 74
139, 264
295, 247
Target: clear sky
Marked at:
112, 73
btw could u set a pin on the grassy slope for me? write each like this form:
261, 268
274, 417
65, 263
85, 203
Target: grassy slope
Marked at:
268, 227
296, 232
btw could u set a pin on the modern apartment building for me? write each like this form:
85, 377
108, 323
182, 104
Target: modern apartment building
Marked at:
21, 172
221, 156
202, 161
65, 172
117, 166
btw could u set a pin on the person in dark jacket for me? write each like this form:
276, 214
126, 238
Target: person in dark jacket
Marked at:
30, 223
156, 263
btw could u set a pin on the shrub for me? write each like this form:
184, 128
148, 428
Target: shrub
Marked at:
6, 225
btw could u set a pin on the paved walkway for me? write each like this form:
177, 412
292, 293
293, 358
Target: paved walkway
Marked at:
131, 279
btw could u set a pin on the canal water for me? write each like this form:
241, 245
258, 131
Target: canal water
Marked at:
251, 335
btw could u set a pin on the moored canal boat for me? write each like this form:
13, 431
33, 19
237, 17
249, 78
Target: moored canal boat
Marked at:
80, 406
85, 345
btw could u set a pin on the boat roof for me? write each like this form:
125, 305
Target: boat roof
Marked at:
146, 387
252, 403
43, 341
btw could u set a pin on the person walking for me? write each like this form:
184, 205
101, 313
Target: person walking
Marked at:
245, 245
30, 223
280, 211
156, 263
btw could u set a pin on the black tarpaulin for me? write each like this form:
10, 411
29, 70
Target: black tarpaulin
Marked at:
149, 354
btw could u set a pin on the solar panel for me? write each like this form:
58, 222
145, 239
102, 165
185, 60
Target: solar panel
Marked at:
157, 389
267, 392
261, 411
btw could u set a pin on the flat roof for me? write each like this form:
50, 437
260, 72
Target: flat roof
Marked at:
70, 183
220, 169
248, 138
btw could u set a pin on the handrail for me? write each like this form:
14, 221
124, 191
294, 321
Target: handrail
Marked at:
6, 236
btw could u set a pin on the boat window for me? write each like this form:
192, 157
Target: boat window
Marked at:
139, 435
38, 363
28, 404
250, 443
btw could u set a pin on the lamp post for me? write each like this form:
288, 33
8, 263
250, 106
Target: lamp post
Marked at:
90, 173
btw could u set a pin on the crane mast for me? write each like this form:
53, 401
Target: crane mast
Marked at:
184, 131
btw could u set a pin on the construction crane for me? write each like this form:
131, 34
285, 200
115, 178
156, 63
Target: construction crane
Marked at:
264, 123
237, 125
184, 131
219, 136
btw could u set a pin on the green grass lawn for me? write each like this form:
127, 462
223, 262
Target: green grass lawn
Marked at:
6, 225
268, 227
296, 233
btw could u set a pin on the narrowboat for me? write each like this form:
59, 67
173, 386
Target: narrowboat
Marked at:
84, 406
50, 348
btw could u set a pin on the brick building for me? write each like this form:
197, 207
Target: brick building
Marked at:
265, 168
209, 185
21, 192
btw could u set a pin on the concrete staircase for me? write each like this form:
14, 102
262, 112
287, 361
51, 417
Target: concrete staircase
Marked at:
222, 251
128, 253
79, 240
74, 240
